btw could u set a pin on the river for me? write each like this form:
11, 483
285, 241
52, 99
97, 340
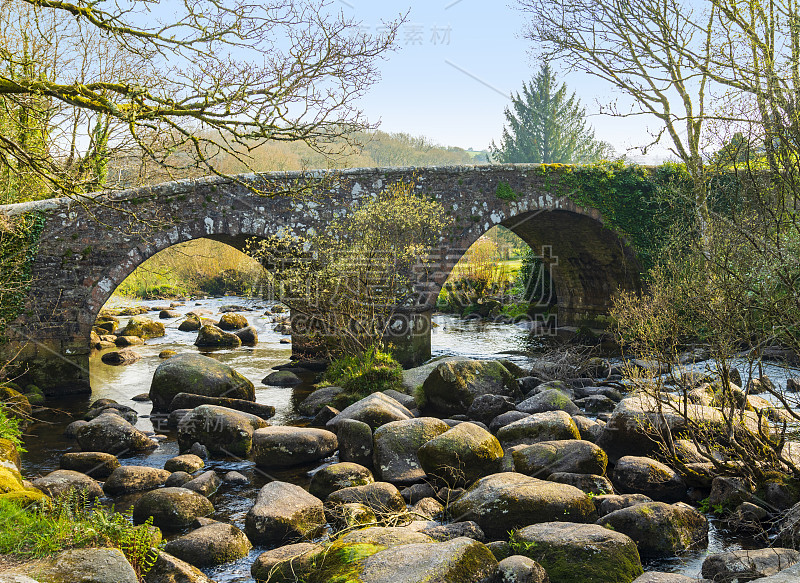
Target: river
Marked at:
451, 336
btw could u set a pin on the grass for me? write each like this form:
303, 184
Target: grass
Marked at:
43, 529
361, 375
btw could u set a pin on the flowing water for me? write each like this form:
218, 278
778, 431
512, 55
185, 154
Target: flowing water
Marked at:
451, 336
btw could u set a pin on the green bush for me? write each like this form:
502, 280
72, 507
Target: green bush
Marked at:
361, 375
11, 429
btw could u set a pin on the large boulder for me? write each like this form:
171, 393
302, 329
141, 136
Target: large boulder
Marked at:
287, 563
504, 501
355, 442
190, 401
381, 497
130, 479
220, 429
337, 476
746, 565
92, 463
231, 321
549, 400
460, 560
452, 386
210, 336
548, 457
198, 375
62, 482
188, 463
214, 544
169, 569
171, 508
279, 446
580, 553
284, 513
461, 455
395, 448
103, 565
643, 475
312, 404
549, 426
660, 529
386, 536
375, 410
110, 433
143, 327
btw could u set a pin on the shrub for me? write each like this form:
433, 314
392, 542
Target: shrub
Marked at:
361, 375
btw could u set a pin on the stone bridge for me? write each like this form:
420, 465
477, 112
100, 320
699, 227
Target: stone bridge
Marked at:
88, 247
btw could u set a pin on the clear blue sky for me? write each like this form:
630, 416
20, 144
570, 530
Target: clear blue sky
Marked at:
457, 62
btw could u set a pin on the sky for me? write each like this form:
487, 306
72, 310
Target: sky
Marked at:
457, 64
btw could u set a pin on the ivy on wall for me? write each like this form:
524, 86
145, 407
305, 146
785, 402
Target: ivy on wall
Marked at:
19, 244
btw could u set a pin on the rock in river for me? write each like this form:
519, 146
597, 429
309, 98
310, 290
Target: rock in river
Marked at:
110, 433
279, 446
199, 375
284, 513
220, 429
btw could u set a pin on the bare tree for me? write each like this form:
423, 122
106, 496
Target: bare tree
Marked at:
208, 81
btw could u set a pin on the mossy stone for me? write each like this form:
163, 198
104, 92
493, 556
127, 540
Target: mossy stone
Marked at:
144, 328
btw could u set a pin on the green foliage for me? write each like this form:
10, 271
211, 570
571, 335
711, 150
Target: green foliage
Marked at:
70, 522
19, 243
505, 192
11, 429
361, 375
547, 126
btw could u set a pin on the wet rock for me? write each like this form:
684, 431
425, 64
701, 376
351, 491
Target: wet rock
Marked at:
178, 479
375, 410
549, 426
236, 479
505, 501
123, 411
197, 375
214, 544
395, 446
660, 529
729, 492
210, 336
192, 323
188, 463
130, 479
452, 386
72, 429
220, 429
581, 553
110, 433
169, 314
171, 508
642, 475
248, 336
573, 455
282, 378
312, 404
164, 355
461, 455
280, 446
746, 565
143, 327
120, 357
282, 513
127, 341
61, 482
141, 398
206, 483
595, 404
199, 450
190, 401
287, 563
337, 476
95, 464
